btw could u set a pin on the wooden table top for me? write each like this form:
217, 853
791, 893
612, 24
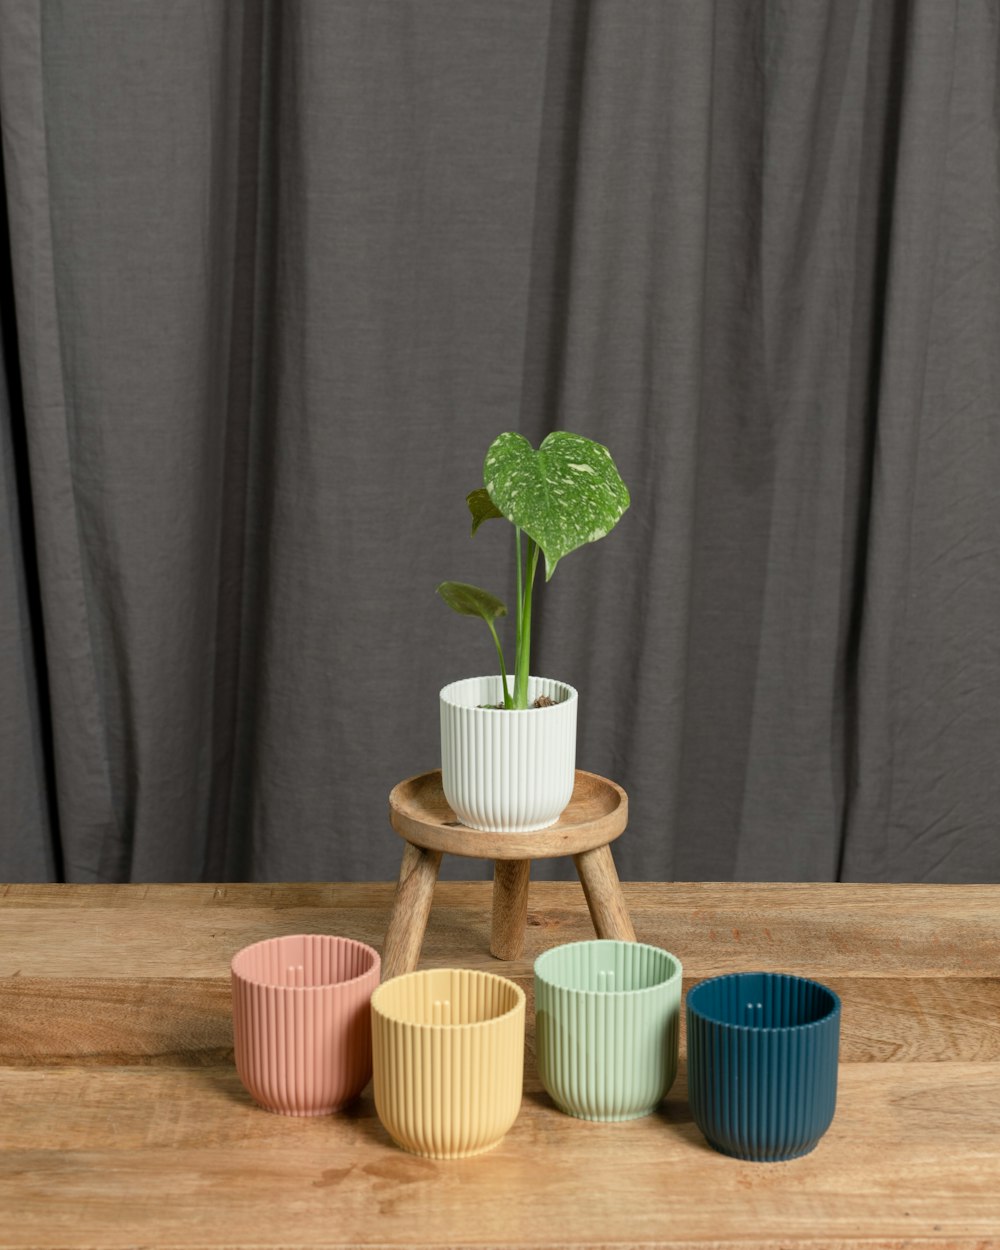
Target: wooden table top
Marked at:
123, 1123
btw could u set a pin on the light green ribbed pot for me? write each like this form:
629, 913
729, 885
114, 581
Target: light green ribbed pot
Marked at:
607, 1024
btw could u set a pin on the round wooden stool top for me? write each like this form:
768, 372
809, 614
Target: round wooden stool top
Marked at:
596, 815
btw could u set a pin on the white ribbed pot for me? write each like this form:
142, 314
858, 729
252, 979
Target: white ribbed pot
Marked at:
507, 771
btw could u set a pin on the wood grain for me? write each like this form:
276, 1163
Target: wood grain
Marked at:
821, 930
603, 892
411, 907
597, 814
511, 878
419, 812
178, 1157
187, 1022
122, 1121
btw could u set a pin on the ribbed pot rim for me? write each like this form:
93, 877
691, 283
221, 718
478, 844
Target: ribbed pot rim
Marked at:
374, 965
825, 1018
393, 1018
676, 974
448, 698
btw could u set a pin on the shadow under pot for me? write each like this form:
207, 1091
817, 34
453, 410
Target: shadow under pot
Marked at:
448, 1048
607, 1022
762, 1053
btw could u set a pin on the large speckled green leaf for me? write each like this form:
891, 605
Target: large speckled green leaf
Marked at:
563, 495
471, 601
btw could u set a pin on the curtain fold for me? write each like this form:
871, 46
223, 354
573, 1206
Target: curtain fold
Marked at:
279, 272
925, 791
25, 774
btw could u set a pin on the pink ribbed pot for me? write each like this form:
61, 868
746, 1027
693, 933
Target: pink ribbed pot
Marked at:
302, 1021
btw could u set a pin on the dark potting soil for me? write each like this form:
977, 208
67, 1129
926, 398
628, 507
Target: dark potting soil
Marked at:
543, 700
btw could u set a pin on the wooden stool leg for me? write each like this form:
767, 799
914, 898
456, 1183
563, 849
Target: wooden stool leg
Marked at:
510, 907
604, 894
412, 905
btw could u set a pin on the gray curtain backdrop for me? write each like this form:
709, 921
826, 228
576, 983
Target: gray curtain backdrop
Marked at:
279, 272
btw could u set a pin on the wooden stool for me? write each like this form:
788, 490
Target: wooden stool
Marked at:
419, 812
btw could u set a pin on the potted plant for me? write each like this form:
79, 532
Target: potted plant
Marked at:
508, 744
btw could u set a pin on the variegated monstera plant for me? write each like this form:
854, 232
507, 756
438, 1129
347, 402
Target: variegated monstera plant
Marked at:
565, 494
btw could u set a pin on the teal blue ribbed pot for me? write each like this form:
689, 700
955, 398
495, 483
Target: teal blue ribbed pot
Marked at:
607, 1021
762, 1050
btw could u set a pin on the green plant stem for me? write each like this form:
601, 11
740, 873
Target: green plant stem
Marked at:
508, 702
517, 553
523, 658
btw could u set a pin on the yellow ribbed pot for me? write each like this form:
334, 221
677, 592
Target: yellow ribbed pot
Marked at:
448, 1054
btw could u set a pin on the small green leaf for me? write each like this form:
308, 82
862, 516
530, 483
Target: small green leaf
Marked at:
482, 508
563, 495
471, 601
